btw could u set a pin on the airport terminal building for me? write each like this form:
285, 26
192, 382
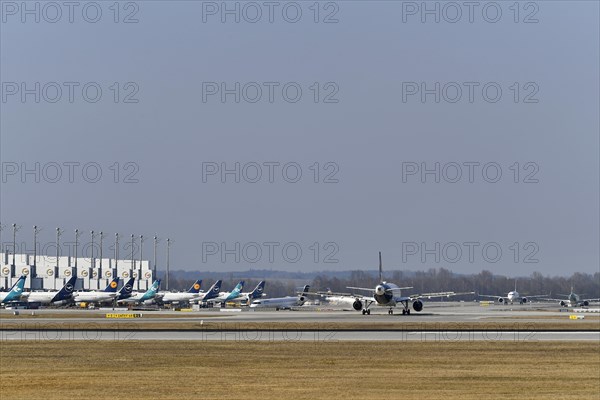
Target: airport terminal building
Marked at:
50, 273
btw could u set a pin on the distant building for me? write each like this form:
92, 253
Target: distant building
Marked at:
92, 274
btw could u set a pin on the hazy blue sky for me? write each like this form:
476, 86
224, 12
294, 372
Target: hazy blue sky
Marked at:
371, 62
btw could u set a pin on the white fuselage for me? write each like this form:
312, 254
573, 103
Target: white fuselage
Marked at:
4, 294
179, 297
94, 297
282, 302
513, 296
340, 301
40, 297
137, 297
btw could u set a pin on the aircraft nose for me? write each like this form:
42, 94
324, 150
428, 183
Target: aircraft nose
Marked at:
379, 290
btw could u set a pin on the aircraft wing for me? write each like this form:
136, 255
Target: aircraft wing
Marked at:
439, 294
361, 288
491, 296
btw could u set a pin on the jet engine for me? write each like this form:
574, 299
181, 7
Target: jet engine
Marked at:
586, 303
417, 305
500, 300
524, 300
301, 298
357, 305
563, 304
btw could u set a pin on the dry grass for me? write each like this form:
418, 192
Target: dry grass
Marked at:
348, 370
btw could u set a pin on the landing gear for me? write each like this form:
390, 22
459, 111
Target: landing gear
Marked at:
367, 312
390, 311
405, 308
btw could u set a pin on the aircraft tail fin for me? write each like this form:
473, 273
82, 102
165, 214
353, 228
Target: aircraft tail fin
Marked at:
19, 284
112, 286
214, 290
258, 290
196, 287
127, 289
154, 288
239, 287
380, 269
67, 291
15, 292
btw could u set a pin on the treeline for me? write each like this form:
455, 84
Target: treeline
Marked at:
485, 282
432, 280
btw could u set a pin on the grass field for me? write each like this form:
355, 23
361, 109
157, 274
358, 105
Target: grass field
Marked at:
280, 370
214, 323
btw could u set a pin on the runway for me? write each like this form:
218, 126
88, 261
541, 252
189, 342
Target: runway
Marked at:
449, 322
434, 312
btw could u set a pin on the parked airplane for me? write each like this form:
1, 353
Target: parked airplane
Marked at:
147, 297
574, 300
15, 293
102, 296
61, 297
387, 294
126, 290
257, 293
282, 303
512, 296
224, 297
182, 297
213, 292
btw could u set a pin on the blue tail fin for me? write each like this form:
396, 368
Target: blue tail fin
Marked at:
258, 290
67, 291
214, 290
127, 289
196, 287
112, 286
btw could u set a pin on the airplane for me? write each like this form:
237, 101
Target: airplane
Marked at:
282, 303
384, 295
573, 300
513, 296
15, 293
146, 297
257, 293
61, 297
213, 292
126, 290
224, 297
102, 296
181, 297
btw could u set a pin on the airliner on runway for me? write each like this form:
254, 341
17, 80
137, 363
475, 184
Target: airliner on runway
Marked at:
513, 296
574, 300
282, 303
387, 294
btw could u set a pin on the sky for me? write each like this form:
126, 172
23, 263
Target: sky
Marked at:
305, 136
